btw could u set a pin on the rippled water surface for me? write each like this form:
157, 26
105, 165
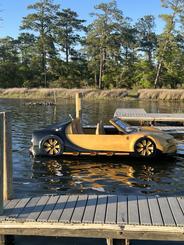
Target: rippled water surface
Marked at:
84, 175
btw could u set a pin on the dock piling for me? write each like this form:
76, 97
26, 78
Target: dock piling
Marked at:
2, 237
7, 168
78, 103
1, 161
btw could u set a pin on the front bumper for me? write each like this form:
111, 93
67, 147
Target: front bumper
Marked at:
170, 149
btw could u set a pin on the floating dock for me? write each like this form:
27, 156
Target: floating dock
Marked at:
141, 116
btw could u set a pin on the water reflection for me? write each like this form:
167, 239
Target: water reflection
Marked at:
104, 175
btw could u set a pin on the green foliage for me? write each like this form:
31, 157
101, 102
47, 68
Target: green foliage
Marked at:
58, 50
144, 75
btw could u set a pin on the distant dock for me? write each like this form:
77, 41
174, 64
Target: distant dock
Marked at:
141, 116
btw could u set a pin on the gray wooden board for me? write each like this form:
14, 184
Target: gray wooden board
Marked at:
44, 215
38, 208
18, 208
90, 209
6, 202
176, 211
28, 208
181, 202
144, 213
100, 209
120, 112
166, 211
156, 216
79, 209
69, 209
170, 128
111, 212
58, 209
133, 212
122, 211
8, 209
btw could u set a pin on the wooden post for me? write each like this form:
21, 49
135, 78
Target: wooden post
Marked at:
111, 241
7, 162
1, 161
2, 240
55, 99
78, 104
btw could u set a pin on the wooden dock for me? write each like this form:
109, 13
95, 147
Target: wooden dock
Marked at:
140, 115
92, 216
117, 218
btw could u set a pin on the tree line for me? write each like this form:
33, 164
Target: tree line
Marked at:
55, 48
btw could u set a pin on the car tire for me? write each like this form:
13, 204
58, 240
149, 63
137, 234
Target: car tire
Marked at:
145, 148
52, 146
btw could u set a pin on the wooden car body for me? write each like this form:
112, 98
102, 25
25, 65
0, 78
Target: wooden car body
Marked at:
115, 139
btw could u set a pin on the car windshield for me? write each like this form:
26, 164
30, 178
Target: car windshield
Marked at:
120, 125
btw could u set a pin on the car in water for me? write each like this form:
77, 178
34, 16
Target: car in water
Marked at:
118, 138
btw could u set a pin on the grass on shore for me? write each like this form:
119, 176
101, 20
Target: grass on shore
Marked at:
61, 93
161, 94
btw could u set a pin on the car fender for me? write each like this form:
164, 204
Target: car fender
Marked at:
153, 138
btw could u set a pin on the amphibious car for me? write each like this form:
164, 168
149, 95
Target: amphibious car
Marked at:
118, 138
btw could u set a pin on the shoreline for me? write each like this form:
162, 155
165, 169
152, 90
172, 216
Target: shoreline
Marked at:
55, 94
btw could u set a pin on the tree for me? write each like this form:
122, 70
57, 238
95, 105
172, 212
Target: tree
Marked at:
9, 63
67, 29
42, 22
146, 36
102, 42
166, 38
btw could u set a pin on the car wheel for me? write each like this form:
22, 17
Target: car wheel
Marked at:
145, 147
52, 146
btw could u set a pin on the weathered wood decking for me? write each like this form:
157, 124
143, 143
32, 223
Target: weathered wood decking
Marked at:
103, 216
140, 115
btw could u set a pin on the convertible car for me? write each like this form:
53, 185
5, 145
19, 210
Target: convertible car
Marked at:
118, 138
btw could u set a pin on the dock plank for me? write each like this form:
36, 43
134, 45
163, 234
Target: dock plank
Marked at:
166, 211
89, 212
79, 209
144, 213
122, 210
9, 208
111, 213
69, 209
18, 208
133, 212
181, 202
100, 209
155, 213
176, 211
44, 215
58, 209
38, 208
28, 208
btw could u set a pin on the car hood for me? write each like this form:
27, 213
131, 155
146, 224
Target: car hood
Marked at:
155, 132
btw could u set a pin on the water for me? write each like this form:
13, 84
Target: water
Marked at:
84, 175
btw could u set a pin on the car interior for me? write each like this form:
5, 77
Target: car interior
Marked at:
117, 127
